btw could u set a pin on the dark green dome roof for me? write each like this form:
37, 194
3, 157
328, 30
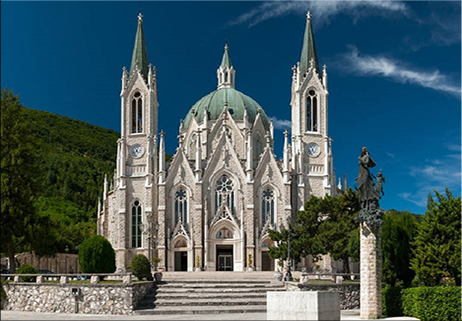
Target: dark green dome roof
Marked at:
215, 102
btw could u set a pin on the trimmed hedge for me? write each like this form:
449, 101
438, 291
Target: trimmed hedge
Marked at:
141, 267
96, 255
391, 301
440, 303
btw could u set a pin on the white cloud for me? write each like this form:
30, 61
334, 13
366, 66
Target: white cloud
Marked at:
281, 124
398, 71
436, 174
322, 10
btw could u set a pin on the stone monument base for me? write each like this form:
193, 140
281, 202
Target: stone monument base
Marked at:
301, 305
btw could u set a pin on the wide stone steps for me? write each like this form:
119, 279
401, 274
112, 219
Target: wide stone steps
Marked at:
209, 296
210, 302
203, 310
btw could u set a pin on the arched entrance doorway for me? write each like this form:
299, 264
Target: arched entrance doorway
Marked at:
267, 263
180, 258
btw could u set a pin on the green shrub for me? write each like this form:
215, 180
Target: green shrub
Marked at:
391, 301
96, 255
27, 269
2, 294
432, 303
141, 267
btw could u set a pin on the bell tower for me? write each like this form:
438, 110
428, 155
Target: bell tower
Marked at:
135, 181
311, 152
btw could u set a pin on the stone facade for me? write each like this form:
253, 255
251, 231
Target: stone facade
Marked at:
371, 272
92, 298
216, 199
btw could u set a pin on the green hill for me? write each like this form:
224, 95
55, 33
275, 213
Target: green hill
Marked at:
73, 157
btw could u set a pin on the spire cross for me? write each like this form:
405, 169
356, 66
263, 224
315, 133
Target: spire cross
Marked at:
308, 15
140, 17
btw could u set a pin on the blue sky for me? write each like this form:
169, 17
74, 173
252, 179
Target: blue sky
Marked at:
394, 71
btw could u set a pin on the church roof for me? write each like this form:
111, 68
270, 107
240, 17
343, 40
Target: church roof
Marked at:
140, 53
226, 95
236, 104
309, 48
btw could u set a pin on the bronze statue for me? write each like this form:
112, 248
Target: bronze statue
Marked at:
369, 193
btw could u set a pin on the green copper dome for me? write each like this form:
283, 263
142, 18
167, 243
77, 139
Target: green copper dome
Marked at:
236, 104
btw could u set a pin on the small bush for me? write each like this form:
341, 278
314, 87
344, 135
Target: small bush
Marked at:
96, 255
392, 304
432, 303
2, 294
141, 267
27, 269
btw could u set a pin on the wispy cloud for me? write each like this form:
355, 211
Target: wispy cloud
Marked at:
280, 124
442, 23
398, 71
435, 174
322, 10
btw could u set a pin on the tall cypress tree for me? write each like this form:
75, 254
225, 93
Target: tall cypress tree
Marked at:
398, 232
437, 245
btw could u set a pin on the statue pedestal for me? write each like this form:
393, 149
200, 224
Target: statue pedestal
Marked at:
371, 272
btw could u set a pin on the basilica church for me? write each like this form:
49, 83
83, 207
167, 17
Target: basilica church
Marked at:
211, 205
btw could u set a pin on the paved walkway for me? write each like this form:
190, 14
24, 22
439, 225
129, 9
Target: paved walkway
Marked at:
18, 315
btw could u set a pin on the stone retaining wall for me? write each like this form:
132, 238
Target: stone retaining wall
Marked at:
349, 292
91, 298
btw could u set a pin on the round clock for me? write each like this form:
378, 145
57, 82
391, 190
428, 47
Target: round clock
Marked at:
312, 149
137, 150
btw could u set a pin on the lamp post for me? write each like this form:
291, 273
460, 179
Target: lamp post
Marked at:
147, 231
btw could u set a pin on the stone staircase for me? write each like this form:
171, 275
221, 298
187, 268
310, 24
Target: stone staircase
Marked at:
180, 295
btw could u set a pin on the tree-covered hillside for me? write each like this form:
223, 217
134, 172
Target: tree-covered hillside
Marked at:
73, 157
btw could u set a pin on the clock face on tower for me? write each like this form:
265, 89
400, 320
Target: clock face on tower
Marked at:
312, 149
136, 151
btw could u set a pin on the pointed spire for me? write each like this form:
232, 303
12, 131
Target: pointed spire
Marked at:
162, 158
249, 167
198, 169
226, 61
140, 53
309, 48
226, 73
286, 155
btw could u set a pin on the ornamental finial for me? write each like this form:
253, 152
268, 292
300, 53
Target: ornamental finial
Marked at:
140, 17
308, 15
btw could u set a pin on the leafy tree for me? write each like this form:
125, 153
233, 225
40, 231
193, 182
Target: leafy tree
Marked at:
141, 267
398, 233
338, 226
96, 255
22, 228
437, 245
326, 225
302, 235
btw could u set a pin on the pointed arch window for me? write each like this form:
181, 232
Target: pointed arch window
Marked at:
136, 224
311, 112
224, 193
267, 206
181, 207
137, 113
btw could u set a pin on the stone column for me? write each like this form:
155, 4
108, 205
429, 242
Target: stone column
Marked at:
371, 271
